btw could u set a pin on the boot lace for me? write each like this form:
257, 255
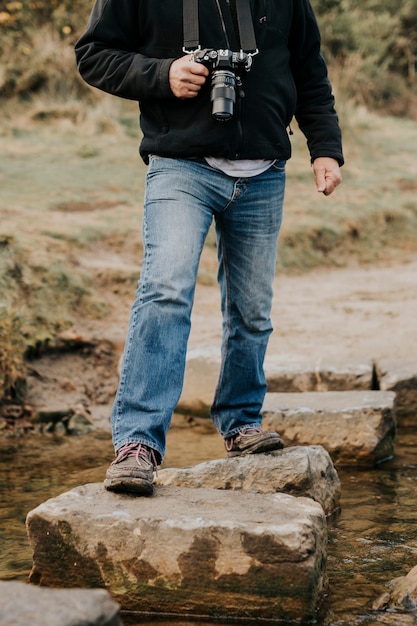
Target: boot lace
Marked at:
245, 432
138, 451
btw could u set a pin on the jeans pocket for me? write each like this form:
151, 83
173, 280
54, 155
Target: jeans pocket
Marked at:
279, 166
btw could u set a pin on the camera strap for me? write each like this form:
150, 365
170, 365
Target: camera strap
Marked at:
244, 21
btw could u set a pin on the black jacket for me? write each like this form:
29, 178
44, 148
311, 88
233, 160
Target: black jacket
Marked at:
129, 45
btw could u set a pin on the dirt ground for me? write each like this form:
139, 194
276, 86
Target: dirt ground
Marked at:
335, 316
348, 315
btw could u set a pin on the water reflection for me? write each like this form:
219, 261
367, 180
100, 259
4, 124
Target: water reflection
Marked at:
33, 469
373, 540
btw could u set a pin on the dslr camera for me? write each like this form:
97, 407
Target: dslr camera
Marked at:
225, 66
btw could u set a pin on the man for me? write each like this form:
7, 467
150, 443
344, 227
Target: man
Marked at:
202, 169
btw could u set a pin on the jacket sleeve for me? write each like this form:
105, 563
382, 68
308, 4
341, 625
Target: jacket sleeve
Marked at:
315, 112
108, 58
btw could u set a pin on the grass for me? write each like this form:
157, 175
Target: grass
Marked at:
72, 186
372, 216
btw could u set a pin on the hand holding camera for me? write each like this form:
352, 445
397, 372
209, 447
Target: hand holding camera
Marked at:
226, 67
186, 77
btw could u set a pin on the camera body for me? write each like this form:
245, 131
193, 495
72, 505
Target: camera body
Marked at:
225, 66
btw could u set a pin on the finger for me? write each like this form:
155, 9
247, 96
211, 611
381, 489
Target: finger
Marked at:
331, 182
198, 69
186, 78
188, 90
191, 91
321, 184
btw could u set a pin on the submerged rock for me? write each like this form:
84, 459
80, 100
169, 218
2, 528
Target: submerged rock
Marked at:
204, 552
402, 594
402, 379
22, 604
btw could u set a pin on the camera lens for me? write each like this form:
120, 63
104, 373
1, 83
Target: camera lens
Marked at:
223, 95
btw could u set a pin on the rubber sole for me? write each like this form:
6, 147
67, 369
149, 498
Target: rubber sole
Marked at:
136, 486
258, 448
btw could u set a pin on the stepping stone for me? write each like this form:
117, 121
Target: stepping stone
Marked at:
196, 552
287, 378
355, 427
300, 471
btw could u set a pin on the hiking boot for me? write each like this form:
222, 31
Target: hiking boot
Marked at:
132, 470
252, 440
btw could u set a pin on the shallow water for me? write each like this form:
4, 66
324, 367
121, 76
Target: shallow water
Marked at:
373, 539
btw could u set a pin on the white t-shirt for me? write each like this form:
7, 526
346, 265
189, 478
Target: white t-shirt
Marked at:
240, 168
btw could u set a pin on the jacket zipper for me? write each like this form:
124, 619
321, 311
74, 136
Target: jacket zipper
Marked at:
219, 9
240, 94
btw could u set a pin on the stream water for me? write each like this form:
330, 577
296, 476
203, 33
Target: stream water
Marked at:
373, 540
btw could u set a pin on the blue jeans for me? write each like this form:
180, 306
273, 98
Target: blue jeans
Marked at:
182, 197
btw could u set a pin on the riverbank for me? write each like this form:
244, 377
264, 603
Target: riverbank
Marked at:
70, 245
72, 188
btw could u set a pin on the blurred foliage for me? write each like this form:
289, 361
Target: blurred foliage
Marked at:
12, 362
36, 48
370, 45
66, 18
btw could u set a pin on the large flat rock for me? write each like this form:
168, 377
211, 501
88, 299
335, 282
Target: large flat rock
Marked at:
293, 377
203, 364
355, 427
202, 552
22, 604
300, 471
